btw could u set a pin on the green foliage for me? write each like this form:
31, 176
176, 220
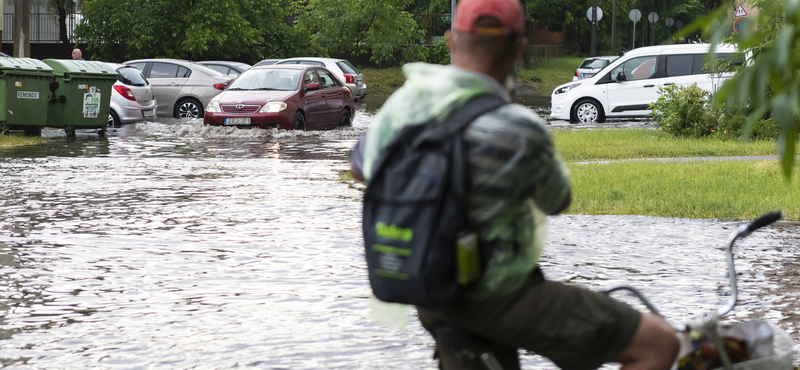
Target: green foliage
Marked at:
438, 53
355, 27
770, 84
123, 29
681, 111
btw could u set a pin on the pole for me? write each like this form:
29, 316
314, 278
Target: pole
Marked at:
634, 35
452, 15
614, 26
593, 52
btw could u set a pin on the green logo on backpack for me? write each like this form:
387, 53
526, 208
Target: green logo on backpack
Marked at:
393, 232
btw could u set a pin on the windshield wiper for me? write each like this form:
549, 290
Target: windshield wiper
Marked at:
265, 89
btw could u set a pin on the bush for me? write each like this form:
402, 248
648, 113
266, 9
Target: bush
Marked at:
438, 53
686, 112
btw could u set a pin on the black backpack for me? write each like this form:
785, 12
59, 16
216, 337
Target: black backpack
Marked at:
415, 211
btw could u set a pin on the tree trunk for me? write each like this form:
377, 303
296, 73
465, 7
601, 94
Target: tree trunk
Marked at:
22, 26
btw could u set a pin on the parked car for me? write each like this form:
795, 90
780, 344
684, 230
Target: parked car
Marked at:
133, 99
267, 62
345, 71
591, 66
227, 68
182, 88
287, 96
627, 86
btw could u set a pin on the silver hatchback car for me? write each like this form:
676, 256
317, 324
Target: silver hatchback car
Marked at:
346, 72
183, 88
133, 99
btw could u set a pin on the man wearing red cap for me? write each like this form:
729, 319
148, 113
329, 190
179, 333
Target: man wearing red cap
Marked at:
516, 178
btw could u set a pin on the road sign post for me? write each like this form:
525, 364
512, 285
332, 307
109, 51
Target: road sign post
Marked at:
635, 15
669, 22
653, 18
594, 14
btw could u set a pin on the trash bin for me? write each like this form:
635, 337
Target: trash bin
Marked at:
24, 94
81, 95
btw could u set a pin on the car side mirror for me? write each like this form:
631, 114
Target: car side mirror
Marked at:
621, 77
312, 86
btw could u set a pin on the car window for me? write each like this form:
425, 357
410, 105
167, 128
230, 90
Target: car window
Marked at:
266, 79
219, 68
700, 61
679, 65
594, 63
346, 67
139, 65
636, 68
325, 79
184, 72
310, 77
311, 63
206, 70
131, 76
287, 62
164, 70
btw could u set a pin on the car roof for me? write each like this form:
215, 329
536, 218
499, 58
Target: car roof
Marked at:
607, 57
286, 66
680, 48
315, 59
224, 62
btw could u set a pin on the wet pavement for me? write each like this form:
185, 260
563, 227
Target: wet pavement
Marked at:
170, 244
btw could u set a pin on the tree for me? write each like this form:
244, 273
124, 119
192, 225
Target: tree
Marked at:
769, 84
191, 29
354, 27
22, 26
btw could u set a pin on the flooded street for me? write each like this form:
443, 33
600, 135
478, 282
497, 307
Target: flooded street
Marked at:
174, 245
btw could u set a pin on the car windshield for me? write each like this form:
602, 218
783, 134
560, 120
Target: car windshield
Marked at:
595, 63
347, 67
267, 79
131, 76
205, 70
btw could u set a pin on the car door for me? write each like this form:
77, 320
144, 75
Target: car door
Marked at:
632, 95
167, 79
334, 97
314, 103
679, 72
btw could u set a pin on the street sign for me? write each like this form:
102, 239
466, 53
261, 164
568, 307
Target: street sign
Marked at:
635, 15
737, 25
679, 24
652, 17
669, 22
599, 13
740, 12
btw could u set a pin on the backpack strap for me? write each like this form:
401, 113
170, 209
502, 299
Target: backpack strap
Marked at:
460, 118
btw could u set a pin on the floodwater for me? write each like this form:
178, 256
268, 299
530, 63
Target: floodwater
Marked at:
173, 245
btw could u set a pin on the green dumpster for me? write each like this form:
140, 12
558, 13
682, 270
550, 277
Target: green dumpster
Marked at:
81, 95
24, 94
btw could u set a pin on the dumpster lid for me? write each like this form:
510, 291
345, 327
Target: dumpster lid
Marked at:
81, 67
23, 64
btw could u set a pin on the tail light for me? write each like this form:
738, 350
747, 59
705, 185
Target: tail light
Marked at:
350, 79
125, 92
576, 73
220, 86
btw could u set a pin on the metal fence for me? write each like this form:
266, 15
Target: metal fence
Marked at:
44, 27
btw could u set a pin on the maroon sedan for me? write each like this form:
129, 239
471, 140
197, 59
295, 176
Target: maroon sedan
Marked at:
296, 97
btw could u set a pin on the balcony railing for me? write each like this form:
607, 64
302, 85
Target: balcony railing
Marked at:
44, 27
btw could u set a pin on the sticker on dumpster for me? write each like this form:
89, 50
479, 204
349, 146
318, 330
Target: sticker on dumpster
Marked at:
82, 87
27, 95
18, 84
91, 104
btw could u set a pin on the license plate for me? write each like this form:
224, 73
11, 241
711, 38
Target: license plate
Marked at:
237, 121
147, 113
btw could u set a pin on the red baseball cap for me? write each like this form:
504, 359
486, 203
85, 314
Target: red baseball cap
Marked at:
508, 12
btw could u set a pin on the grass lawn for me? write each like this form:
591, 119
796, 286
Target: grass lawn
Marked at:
543, 75
730, 190
8, 141
581, 145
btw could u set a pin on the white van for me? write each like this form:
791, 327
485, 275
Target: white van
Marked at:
626, 87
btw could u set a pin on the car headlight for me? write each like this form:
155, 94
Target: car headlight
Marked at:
273, 107
213, 106
565, 89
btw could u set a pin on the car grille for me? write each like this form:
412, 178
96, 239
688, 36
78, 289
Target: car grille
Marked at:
243, 109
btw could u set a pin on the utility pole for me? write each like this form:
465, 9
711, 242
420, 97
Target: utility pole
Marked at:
614, 26
22, 25
593, 52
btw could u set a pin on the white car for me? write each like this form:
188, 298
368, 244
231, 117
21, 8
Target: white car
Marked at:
591, 66
627, 86
345, 71
133, 99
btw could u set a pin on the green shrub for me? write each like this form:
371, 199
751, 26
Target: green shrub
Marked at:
438, 53
681, 111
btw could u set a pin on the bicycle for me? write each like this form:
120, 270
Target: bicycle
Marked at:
774, 344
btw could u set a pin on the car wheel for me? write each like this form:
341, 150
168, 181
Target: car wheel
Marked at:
588, 111
299, 121
113, 119
188, 108
345, 121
